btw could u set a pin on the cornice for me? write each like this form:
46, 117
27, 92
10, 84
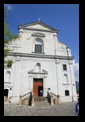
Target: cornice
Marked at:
36, 55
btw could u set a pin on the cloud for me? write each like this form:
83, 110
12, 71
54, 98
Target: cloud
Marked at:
8, 6
76, 70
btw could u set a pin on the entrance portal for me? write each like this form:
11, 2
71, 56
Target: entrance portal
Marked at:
37, 86
5, 94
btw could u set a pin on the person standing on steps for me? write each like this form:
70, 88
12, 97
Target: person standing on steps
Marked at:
41, 93
77, 108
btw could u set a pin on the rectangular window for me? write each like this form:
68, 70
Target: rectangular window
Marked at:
38, 48
64, 67
66, 92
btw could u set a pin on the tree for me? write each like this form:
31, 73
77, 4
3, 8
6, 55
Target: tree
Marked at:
8, 36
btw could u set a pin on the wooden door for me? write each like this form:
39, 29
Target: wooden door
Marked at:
36, 84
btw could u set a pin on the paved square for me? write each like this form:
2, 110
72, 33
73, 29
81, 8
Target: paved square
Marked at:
62, 109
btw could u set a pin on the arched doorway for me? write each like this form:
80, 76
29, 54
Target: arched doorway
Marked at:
5, 94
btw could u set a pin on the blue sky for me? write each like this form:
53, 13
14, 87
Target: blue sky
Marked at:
63, 17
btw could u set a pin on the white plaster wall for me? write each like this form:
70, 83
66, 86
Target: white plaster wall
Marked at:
20, 80
62, 87
61, 73
51, 43
73, 81
23, 85
50, 81
26, 43
27, 65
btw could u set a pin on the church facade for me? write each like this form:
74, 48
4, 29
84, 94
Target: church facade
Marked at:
40, 62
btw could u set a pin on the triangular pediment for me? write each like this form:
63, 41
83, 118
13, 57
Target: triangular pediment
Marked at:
37, 26
34, 72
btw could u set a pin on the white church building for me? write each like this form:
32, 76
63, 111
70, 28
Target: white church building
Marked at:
40, 62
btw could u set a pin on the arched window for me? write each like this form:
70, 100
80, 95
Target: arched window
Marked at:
6, 92
65, 79
39, 45
66, 92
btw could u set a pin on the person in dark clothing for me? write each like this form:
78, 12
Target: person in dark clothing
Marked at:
77, 108
41, 93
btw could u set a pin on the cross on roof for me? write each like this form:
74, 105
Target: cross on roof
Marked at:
38, 19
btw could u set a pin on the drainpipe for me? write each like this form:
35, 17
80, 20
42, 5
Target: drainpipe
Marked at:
70, 72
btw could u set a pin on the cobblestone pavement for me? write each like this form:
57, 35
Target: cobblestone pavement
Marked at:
62, 109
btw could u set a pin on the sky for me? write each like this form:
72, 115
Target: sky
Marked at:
63, 17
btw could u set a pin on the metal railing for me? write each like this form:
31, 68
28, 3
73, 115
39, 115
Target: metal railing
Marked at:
52, 98
26, 96
49, 97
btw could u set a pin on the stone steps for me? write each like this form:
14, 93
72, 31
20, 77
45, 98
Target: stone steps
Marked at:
40, 98
41, 101
25, 101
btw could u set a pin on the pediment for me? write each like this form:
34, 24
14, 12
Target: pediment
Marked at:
37, 26
32, 71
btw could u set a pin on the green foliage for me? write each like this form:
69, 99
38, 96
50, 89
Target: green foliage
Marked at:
8, 36
6, 52
5, 12
9, 63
